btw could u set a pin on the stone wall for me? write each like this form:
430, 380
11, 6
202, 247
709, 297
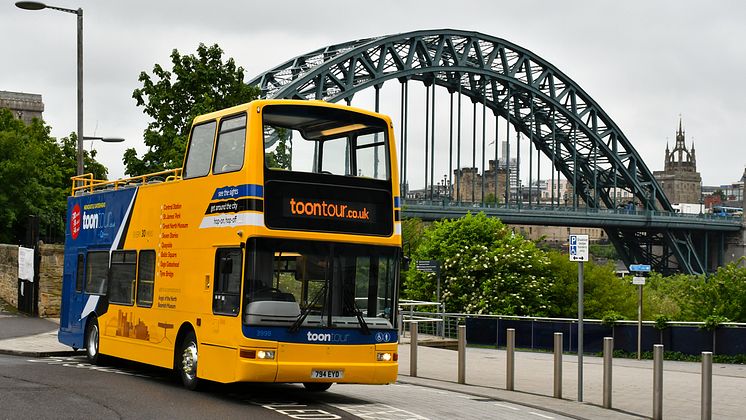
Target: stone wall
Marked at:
50, 277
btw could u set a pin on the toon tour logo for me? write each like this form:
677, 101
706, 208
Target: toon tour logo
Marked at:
329, 210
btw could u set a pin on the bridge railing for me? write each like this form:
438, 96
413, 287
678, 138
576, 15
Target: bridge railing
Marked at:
543, 208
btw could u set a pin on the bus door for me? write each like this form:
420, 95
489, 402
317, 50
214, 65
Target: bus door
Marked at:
78, 299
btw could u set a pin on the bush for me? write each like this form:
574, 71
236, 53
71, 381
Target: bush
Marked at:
610, 318
661, 322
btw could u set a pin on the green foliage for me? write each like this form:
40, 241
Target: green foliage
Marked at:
485, 268
603, 251
413, 229
35, 172
712, 322
610, 318
661, 322
195, 85
603, 290
281, 156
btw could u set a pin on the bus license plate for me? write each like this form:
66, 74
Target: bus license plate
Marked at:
327, 374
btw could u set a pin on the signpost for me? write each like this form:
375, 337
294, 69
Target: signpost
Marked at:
639, 280
432, 266
579, 252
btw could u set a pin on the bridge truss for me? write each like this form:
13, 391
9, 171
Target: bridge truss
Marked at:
537, 100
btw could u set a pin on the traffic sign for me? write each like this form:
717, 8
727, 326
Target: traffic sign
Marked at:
642, 268
427, 266
638, 280
578, 248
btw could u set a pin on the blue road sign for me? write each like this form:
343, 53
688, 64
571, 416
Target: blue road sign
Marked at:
640, 267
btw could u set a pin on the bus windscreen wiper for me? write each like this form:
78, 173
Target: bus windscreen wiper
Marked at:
307, 310
359, 315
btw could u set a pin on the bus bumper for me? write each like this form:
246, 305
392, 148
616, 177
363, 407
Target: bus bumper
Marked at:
323, 363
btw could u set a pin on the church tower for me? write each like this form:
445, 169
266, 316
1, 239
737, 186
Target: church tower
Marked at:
679, 179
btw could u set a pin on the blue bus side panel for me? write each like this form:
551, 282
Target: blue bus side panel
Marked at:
95, 222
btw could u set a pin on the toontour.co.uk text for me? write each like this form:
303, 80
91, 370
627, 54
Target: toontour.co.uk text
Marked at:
331, 210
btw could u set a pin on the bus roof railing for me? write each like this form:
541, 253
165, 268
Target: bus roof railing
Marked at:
82, 184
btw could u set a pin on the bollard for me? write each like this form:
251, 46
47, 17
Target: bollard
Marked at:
608, 354
658, 382
413, 348
706, 385
510, 379
462, 354
558, 365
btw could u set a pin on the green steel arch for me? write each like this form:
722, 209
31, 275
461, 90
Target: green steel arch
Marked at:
535, 97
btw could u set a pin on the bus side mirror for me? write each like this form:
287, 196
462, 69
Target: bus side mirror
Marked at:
226, 265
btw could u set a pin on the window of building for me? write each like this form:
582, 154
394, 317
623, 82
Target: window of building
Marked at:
96, 272
199, 155
227, 288
145, 278
122, 286
229, 154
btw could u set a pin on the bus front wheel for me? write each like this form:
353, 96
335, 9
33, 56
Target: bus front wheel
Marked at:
187, 362
317, 386
91, 341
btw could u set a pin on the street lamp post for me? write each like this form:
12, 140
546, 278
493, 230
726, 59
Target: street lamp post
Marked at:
33, 5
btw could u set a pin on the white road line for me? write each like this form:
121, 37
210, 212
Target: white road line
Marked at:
507, 406
540, 415
378, 412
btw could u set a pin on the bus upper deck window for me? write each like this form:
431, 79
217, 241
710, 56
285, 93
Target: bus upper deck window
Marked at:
199, 155
229, 153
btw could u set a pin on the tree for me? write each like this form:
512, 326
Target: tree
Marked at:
485, 268
280, 153
195, 85
35, 172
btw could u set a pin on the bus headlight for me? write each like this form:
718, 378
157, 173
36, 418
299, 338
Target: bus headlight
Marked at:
386, 357
265, 354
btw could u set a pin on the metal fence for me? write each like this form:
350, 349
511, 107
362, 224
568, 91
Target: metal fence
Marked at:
538, 333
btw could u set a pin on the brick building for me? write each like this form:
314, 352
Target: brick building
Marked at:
469, 185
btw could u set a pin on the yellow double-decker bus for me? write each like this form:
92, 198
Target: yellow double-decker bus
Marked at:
272, 255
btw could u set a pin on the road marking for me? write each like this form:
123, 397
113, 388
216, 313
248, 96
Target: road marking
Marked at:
75, 362
296, 410
507, 406
540, 415
378, 412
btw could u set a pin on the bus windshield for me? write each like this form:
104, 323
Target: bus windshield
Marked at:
325, 140
294, 283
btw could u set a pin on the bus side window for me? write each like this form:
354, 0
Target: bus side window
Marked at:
229, 153
199, 155
122, 282
80, 273
227, 285
96, 273
145, 278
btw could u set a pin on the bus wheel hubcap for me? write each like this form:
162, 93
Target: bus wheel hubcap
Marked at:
189, 361
93, 341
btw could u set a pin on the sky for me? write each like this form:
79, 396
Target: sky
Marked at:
647, 63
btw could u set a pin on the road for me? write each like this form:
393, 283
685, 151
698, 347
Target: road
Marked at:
69, 387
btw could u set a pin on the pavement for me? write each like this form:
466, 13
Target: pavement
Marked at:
632, 396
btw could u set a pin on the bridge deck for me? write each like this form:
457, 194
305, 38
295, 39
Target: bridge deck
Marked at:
580, 217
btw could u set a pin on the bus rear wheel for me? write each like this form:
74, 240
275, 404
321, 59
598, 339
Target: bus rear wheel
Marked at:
91, 341
317, 386
186, 363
